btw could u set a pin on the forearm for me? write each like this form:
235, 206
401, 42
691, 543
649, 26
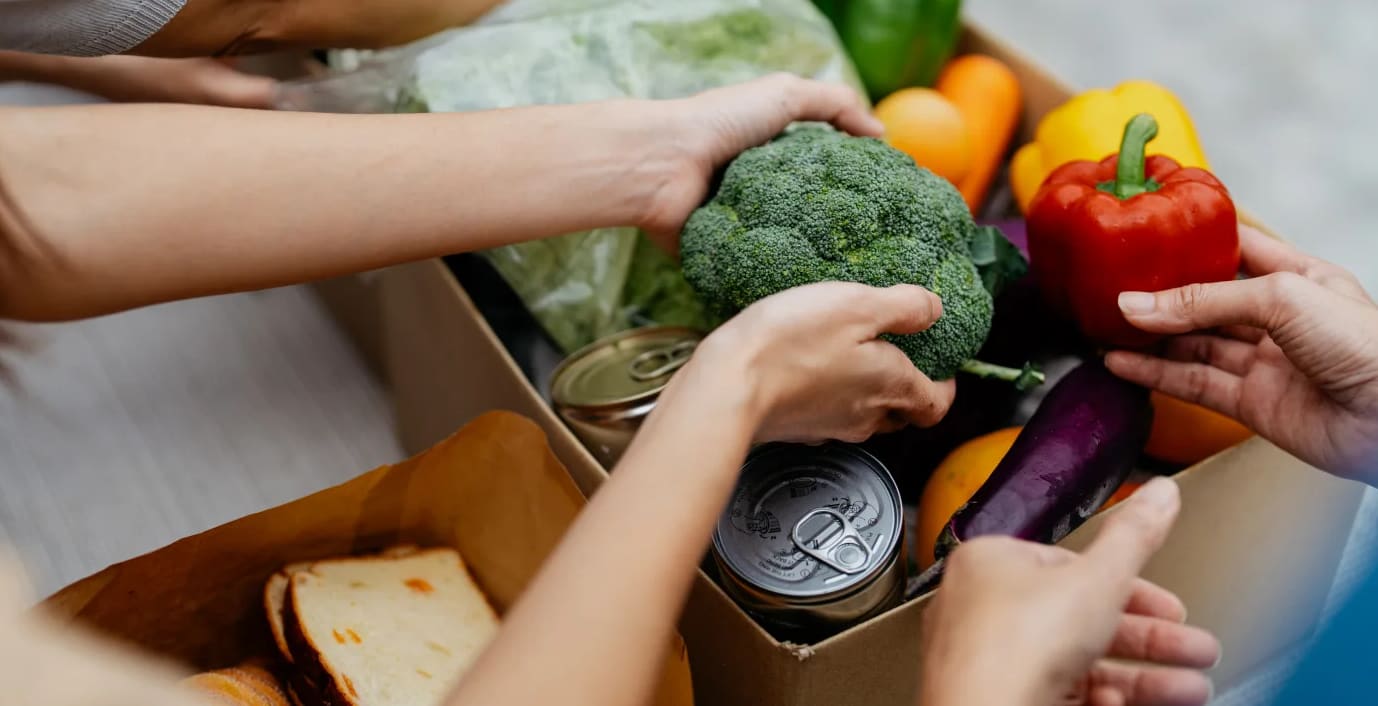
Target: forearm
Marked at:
43, 68
596, 622
220, 27
110, 207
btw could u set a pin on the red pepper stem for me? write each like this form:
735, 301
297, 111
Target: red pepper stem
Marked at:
1129, 168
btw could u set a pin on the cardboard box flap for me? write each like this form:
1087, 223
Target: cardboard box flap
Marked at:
494, 491
1251, 490
495, 477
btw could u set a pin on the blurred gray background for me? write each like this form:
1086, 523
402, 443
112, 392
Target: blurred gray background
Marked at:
1282, 93
128, 432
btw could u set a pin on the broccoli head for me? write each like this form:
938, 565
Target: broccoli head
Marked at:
815, 205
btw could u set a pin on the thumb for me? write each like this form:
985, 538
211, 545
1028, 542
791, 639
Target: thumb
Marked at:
1134, 533
1263, 302
902, 309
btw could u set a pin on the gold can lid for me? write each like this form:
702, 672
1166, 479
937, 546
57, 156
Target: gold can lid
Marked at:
625, 368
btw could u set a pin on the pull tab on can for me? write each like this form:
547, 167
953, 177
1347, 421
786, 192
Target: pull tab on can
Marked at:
659, 362
837, 545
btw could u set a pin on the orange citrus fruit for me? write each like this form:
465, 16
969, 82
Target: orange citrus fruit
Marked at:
1125, 491
923, 124
1187, 433
953, 483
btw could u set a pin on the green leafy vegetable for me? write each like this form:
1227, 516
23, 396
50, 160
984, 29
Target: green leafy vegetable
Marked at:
583, 286
656, 292
996, 258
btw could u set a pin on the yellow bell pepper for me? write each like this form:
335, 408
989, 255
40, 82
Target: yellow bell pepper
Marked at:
1090, 125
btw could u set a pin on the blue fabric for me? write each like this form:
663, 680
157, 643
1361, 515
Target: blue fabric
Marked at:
1342, 664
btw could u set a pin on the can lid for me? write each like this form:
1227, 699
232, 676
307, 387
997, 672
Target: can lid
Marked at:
809, 521
627, 367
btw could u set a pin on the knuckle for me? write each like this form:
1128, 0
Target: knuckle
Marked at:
979, 547
1199, 349
1157, 641
1283, 290
1188, 300
790, 89
967, 555
1197, 380
929, 408
1322, 271
1283, 286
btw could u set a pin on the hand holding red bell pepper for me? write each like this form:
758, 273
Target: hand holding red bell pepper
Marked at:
1127, 224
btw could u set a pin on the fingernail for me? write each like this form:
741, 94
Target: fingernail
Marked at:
877, 126
1136, 303
1159, 493
1219, 655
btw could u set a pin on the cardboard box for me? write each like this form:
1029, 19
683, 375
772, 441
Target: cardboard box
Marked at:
355, 303
493, 491
1253, 555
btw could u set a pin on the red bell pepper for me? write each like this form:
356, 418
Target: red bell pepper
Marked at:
1127, 223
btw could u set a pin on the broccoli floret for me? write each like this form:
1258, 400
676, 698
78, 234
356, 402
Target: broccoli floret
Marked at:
815, 205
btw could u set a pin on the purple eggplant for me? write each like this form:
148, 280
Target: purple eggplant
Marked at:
1014, 231
1074, 453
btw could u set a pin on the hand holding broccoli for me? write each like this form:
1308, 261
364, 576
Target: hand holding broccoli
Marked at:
816, 205
707, 130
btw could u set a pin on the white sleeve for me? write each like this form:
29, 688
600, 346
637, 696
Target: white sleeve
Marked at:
82, 27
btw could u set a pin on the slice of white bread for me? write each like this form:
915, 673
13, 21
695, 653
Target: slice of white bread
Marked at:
275, 599
275, 595
386, 630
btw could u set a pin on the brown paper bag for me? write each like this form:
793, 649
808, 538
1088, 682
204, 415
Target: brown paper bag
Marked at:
493, 491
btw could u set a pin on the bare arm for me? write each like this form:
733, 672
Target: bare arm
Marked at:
142, 79
216, 27
804, 364
118, 206
109, 207
596, 623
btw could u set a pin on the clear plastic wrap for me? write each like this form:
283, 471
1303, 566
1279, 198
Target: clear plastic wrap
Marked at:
532, 52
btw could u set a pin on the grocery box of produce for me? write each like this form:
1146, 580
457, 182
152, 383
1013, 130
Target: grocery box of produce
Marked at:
1253, 555
255, 591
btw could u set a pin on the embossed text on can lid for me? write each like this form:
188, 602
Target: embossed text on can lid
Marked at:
623, 368
810, 521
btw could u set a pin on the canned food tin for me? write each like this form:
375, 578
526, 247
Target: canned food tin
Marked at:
811, 542
606, 389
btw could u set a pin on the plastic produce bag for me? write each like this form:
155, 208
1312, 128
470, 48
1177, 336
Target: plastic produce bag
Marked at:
582, 286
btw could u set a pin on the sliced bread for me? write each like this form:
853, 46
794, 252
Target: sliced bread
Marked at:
246, 685
275, 594
386, 630
274, 600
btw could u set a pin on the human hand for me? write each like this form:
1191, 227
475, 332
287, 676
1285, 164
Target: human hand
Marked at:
1292, 353
813, 367
710, 129
1017, 622
137, 79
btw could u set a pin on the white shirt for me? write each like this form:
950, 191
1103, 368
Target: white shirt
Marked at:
82, 27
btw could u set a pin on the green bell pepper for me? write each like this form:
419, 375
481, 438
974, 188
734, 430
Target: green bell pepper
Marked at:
833, 9
896, 43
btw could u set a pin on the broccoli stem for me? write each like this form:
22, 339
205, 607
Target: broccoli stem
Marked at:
1023, 379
